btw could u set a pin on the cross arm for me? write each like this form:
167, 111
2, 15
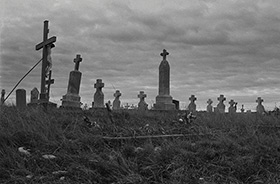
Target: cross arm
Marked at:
47, 42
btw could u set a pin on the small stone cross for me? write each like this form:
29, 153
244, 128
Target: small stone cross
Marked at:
126, 106
192, 98
209, 101
117, 94
142, 95
99, 84
164, 54
221, 98
232, 102
77, 61
259, 100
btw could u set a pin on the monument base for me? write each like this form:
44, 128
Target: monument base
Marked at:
71, 100
164, 102
46, 104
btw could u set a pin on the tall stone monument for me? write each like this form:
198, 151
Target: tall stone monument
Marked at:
232, 108
221, 106
209, 107
72, 98
117, 102
164, 100
142, 105
3, 92
260, 107
98, 98
21, 99
192, 105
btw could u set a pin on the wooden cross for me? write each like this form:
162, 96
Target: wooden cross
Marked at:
117, 94
221, 98
209, 101
164, 54
46, 41
49, 82
99, 84
142, 95
77, 61
259, 100
192, 98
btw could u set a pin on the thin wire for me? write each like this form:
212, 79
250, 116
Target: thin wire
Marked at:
21, 80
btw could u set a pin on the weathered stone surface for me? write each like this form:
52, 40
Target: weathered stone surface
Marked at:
98, 95
233, 106
192, 105
209, 107
72, 98
142, 105
221, 106
164, 100
117, 102
260, 107
21, 99
34, 95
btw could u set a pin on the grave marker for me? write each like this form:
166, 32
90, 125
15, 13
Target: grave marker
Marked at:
117, 102
232, 108
142, 105
192, 105
21, 99
242, 109
209, 107
99, 95
260, 107
72, 98
221, 106
34, 95
164, 100
46, 45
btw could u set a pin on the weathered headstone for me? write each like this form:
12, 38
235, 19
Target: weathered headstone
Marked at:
209, 107
117, 102
98, 97
232, 108
34, 95
46, 45
164, 100
142, 105
260, 107
192, 105
72, 98
221, 106
177, 104
242, 109
3, 92
21, 99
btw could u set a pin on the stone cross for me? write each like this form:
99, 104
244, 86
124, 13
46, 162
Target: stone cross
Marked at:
242, 109
49, 82
34, 95
221, 106
45, 44
98, 96
126, 106
209, 106
2, 96
232, 107
142, 105
164, 54
77, 61
192, 105
117, 102
260, 107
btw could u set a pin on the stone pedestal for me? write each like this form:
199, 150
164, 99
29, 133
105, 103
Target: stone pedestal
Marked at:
164, 100
21, 99
72, 98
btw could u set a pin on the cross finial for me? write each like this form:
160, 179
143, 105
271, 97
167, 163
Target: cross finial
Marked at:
142, 95
209, 101
192, 98
77, 61
164, 54
99, 84
232, 102
221, 98
259, 100
117, 94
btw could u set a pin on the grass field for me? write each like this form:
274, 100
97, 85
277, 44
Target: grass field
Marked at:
60, 147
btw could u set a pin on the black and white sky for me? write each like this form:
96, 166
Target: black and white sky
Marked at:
216, 47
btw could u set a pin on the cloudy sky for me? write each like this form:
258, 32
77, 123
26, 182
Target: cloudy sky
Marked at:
216, 47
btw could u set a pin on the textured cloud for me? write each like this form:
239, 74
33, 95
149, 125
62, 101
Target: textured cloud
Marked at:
216, 47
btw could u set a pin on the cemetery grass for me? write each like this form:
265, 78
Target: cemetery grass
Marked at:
244, 148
